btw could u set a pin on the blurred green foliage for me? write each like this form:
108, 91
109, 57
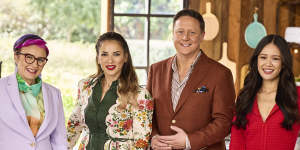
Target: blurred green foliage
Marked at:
70, 20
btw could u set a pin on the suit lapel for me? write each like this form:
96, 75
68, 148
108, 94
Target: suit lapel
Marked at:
47, 106
14, 95
168, 83
198, 74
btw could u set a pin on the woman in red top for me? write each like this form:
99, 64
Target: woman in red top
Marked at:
267, 108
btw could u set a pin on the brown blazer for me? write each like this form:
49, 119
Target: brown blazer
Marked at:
204, 116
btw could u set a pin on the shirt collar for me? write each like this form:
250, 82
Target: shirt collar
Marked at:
174, 62
113, 84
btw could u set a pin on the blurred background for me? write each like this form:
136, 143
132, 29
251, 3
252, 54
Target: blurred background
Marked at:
71, 28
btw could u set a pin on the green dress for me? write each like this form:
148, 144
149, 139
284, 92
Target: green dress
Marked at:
96, 112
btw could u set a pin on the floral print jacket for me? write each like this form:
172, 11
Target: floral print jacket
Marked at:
129, 129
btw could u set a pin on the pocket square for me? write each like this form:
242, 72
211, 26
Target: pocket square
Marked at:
203, 89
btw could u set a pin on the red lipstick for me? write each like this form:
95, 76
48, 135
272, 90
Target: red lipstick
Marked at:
110, 67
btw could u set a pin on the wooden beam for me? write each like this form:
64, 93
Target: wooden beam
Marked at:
194, 4
270, 15
283, 19
234, 21
105, 15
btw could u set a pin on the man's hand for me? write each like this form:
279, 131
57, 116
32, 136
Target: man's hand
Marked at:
177, 141
156, 144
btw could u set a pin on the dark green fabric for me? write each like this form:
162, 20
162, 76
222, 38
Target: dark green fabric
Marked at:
96, 112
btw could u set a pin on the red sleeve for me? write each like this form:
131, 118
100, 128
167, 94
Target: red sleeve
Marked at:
237, 139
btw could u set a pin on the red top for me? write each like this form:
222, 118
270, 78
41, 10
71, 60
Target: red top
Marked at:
268, 135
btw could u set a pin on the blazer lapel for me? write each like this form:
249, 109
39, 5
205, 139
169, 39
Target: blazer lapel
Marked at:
198, 74
13, 92
168, 83
48, 111
14, 95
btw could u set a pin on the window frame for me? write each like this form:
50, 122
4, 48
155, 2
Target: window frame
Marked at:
148, 16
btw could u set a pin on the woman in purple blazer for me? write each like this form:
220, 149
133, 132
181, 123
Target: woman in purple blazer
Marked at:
31, 111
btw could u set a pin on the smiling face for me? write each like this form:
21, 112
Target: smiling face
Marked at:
111, 58
29, 72
187, 35
269, 62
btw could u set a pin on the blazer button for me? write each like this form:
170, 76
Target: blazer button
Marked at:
174, 121
32, 144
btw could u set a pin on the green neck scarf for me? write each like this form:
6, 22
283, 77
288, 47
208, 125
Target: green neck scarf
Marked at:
24, 87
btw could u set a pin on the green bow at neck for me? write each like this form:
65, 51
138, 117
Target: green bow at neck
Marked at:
24, 87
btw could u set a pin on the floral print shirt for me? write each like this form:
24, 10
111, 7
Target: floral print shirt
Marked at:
128, 130
77, 130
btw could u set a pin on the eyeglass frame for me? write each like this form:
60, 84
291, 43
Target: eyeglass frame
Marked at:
34, 58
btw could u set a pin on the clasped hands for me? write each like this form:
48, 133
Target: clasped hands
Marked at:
176, 141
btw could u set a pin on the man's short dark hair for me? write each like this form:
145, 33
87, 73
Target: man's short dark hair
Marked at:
191, 13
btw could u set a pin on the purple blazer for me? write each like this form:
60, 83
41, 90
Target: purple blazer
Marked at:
15, 133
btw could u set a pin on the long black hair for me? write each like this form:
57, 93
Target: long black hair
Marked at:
286, 95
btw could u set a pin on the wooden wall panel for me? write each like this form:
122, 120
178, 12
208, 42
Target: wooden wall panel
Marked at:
270, 7
247, 18
283, 19
245, 51
194, 4
297, 17
220, 9
296, 67
234, 22
289, 15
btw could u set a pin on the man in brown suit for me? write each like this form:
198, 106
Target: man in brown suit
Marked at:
193, 94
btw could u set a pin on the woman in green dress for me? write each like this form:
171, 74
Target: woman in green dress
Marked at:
112, 111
